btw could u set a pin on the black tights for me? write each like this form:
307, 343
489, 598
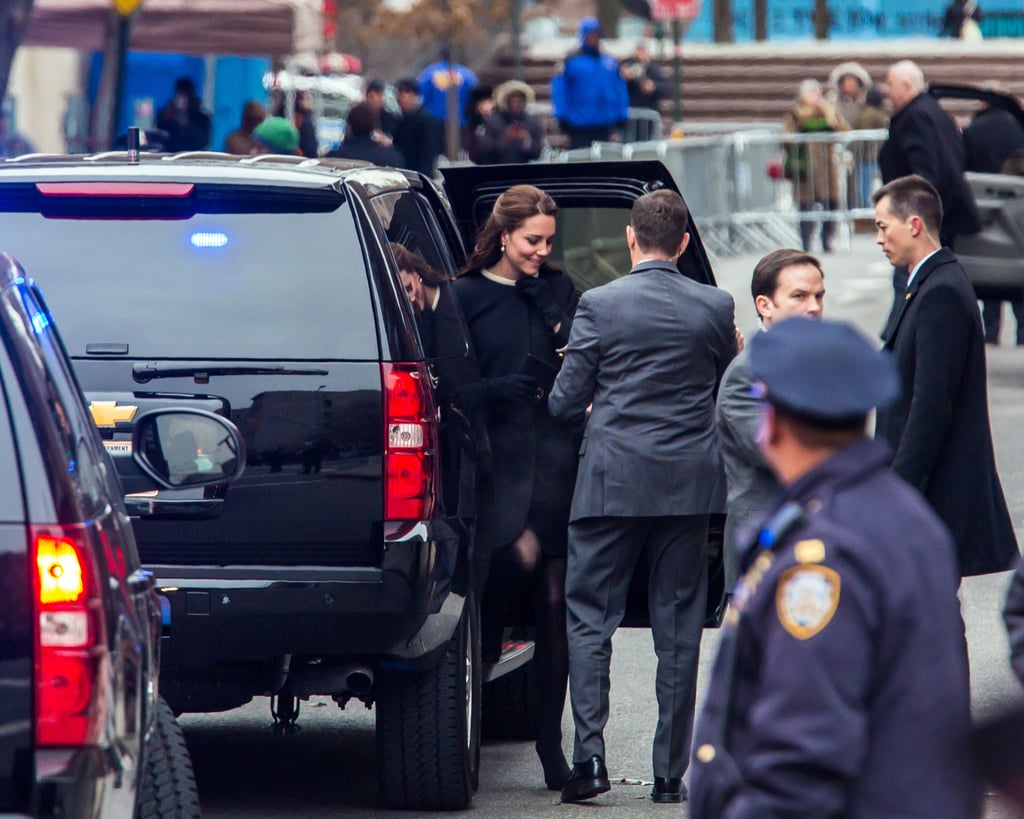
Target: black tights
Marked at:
523, 566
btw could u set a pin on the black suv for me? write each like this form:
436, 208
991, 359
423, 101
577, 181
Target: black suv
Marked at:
84, 733
265, 290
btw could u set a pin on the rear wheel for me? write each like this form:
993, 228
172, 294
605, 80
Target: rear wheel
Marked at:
428, 727
168, 786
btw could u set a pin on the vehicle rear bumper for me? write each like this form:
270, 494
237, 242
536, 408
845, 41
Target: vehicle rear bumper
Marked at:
215, 615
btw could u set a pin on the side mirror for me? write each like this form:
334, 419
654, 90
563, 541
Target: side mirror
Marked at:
183, 447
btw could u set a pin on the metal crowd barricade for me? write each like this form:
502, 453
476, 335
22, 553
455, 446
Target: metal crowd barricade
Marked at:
824, 182
642, 125
753, 189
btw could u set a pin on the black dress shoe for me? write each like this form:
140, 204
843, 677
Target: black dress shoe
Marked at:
668, 790
586, 781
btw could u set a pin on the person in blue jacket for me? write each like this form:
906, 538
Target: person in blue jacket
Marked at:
437, 78
841, 685
589, 95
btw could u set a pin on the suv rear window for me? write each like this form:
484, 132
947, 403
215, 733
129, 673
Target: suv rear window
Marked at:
275, 276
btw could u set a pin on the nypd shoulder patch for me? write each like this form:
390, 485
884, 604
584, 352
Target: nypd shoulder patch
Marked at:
806, 599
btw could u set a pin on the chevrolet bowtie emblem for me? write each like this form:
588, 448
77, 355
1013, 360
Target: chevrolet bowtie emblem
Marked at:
108, 413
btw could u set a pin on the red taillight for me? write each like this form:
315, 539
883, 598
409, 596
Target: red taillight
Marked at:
167, 190
70, 644
410, 443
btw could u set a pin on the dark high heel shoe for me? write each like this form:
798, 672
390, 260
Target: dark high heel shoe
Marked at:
556, 769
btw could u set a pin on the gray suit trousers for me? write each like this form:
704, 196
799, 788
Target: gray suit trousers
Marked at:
602, 555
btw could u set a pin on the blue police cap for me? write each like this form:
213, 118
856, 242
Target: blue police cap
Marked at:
825, 370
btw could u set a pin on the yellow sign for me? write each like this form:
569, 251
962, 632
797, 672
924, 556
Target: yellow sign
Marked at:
126, 7
108, 413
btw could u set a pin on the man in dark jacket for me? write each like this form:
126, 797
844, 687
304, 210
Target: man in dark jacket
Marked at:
589, 95
939, 429
786, 283
924, 140
993, 135
184, 120
417, 134
375, 97
841, 685
646, 354
360, 125
647, 85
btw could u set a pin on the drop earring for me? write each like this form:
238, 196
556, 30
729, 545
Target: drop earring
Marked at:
503, 247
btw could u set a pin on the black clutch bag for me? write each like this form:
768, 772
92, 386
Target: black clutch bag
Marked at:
540, 371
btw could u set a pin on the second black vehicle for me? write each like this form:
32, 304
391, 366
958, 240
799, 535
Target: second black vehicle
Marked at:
85, 734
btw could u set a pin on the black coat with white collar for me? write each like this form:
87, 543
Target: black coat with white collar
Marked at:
939, 428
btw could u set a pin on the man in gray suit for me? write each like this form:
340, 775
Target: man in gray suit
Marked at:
786, 283
647, 351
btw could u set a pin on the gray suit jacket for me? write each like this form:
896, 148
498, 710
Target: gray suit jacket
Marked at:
752, 485
648, 350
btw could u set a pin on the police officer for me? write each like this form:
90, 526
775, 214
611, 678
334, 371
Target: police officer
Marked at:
841, 684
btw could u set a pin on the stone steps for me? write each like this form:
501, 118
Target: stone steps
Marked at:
759, 81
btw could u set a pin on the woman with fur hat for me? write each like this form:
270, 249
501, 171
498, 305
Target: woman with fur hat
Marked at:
510, 134
848, 88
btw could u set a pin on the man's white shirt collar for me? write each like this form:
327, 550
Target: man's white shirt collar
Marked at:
917, 266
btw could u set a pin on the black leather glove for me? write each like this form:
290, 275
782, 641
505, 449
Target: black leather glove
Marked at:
537, 291
511, 388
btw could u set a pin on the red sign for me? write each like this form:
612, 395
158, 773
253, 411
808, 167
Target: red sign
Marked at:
674, 9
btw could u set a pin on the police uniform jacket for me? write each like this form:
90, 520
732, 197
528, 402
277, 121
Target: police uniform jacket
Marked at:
841, 687
939, 428
923, 139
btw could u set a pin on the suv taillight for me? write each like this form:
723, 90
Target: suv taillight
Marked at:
410, 443
70, 640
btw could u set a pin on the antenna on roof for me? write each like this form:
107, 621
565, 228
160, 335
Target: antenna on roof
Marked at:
134, 144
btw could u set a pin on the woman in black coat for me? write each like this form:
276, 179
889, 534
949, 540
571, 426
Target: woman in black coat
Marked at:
519, 312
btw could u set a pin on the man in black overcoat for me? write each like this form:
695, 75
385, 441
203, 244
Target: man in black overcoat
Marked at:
924, 139
939, 428
994, 135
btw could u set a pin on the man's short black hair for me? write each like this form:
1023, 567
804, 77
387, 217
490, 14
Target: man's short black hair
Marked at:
407, 84
375, 86
361, 119
659, 221
913, 196
185, 85
765, 280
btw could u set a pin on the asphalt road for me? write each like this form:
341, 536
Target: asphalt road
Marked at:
327, 769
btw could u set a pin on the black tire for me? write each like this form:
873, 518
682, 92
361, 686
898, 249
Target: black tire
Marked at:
428, 727
512, 706
168, 787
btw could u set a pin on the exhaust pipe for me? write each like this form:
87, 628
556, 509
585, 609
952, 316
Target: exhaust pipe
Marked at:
359, 681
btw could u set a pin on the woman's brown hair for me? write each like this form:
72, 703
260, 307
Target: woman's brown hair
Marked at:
510, 211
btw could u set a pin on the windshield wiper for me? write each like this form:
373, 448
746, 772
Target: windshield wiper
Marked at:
201, 372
